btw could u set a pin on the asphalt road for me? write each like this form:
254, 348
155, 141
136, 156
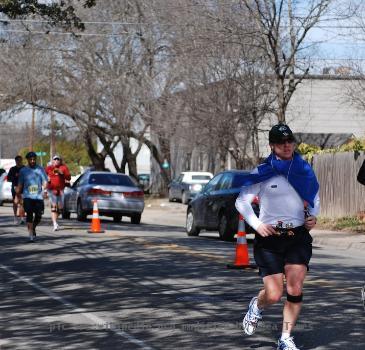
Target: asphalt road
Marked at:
150, 286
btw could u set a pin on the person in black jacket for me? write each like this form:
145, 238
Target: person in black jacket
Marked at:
13, 177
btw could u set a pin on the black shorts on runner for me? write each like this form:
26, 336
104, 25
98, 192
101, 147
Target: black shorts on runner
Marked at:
274, 252
33, 207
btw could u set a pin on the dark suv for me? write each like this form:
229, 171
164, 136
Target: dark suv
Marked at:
214, 208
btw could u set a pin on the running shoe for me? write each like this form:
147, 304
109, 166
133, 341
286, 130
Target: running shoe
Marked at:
287, 344
55, 227
252, 318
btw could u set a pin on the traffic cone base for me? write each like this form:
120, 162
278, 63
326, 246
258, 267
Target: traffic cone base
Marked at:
95, 221
242, 259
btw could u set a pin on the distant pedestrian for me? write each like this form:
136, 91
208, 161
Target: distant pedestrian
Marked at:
13, 177
283, 245
58, 177
32, 184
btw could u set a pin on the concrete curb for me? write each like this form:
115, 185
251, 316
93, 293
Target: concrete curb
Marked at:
339, 239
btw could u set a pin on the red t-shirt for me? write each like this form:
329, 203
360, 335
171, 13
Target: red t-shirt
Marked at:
56, 180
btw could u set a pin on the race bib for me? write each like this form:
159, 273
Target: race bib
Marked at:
33, 189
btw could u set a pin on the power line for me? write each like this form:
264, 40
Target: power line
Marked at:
112, 23
63, 33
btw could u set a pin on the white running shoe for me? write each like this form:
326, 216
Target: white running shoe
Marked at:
55, 227
252, 318
287, 344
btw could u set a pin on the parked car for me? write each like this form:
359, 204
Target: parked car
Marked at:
188, 185
214, 208
5, 189
117, 196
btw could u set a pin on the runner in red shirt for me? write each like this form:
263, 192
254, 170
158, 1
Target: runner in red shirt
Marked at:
58, 176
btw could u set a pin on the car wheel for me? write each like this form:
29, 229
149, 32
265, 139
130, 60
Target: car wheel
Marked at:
66, 214
225, 231
184, 198
171, 198
191, 228
117, 218
81, 215
136, 219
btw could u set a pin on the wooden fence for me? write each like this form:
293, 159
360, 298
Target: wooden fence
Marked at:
341, 195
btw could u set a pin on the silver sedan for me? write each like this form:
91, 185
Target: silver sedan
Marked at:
117, 196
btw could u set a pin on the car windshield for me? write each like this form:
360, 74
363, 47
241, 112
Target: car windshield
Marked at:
200, 177
111, 179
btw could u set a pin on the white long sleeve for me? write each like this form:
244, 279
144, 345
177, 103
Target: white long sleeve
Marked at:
243, 205
278, 202
315, 210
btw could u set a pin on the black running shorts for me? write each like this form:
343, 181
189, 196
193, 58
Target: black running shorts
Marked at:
33, 207
274, 252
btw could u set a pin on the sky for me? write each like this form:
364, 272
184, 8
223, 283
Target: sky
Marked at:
338, 41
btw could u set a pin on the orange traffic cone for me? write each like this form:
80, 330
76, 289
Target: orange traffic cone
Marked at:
95, 222
242, 259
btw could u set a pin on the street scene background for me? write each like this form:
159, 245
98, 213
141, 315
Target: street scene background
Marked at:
156, 89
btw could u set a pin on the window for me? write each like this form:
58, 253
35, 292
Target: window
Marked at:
226, 181
200, 177
111, 179
212, 184
79, 181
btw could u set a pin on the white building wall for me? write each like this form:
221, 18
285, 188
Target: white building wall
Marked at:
319, 105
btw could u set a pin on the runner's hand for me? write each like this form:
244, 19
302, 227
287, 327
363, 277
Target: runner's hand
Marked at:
265, 230
310, 222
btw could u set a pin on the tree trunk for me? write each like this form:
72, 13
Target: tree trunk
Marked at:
281, 99
97, 159
132, 164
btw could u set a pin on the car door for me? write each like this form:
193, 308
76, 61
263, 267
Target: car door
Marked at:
72, 195
208, 195
219, 200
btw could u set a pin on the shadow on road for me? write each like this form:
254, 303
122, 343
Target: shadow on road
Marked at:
169, 298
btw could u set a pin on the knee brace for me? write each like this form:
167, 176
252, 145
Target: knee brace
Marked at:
294, 298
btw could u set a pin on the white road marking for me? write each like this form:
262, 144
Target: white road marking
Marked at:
97, 320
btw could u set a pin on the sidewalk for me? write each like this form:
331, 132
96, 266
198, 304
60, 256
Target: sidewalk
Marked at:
339, 239
342, 240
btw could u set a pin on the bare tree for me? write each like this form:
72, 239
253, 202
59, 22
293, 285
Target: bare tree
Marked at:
282, 27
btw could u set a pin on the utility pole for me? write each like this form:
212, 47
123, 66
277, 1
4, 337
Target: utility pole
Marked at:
53, 137
32, 131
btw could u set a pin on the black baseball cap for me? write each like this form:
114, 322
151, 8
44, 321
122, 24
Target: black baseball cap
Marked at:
31, 154
279, 133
